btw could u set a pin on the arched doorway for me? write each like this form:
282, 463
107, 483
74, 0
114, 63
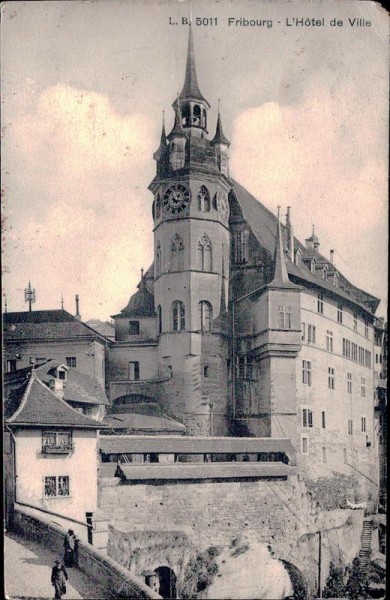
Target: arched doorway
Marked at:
297, 581
167, 579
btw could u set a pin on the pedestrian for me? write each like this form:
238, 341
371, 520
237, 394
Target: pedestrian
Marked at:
76, 552
59, 577
69, 545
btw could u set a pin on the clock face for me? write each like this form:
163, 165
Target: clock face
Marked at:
223, 204
176, 198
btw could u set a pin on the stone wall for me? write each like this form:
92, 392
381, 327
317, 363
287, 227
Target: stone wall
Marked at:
95, 564
187, 517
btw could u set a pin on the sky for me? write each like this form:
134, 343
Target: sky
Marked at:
84, 86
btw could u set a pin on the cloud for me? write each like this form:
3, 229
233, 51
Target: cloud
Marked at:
326, 160
85, 167
79, 131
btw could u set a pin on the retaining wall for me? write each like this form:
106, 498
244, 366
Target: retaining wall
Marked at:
104, 570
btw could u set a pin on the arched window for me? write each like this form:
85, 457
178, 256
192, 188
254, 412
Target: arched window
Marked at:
205, 254
215, 202
241, 246
185, 115
158, 206
204, 199
196, 115
158, 259
205, 311
159, 320
177, 254
178, 316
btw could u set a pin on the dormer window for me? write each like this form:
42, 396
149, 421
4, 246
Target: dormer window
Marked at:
61, 375
71, 361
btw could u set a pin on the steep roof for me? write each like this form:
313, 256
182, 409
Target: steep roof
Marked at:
39, 406
263, 224
141, 304
45, 324
79, 387
103, 327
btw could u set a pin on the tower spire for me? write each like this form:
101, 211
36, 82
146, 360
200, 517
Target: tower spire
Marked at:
280, 273
220, 137
191, 89
177, 130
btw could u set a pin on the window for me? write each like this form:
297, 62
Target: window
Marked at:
56, 486
56, 442
177, 254
178, 316
159, 320
345, 455
303, 332
349, 383
158, 206
205, 371
203, 199
323, 420
244, 367
354, 351
366, 323
340, 313
284, 317
329, 341
205, 315
350, 427
363, 387
311, 334
323, 454
307, 417
363, 424
170, 371
133, 327
331, 378
134, 370
320, 304
11, 366
158, 259
354, 321
306, 372
70, 362
367, 358
205, 254
305, 445
241, 246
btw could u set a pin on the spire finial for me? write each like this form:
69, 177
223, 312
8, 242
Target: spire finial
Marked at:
219, 105
313, 233
62, 301
278, 207
5, 303
142, 273
280, 273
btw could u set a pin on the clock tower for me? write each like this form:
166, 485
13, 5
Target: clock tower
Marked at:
191, 262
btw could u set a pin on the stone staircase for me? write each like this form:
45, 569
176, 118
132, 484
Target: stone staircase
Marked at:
365, 546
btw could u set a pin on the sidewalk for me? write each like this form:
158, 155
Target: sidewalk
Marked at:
27, 572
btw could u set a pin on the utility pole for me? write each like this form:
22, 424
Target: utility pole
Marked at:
29, 295
319, 565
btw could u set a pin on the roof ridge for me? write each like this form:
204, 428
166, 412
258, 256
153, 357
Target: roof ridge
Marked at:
61, 400
24, 398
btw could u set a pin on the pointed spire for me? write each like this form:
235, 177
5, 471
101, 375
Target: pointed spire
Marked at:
220, 137
190, 89
177, 130
280, 273
163, 141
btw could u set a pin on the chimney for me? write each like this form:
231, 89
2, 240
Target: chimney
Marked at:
77, 315
332, 256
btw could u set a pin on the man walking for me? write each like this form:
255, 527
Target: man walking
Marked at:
59, 577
